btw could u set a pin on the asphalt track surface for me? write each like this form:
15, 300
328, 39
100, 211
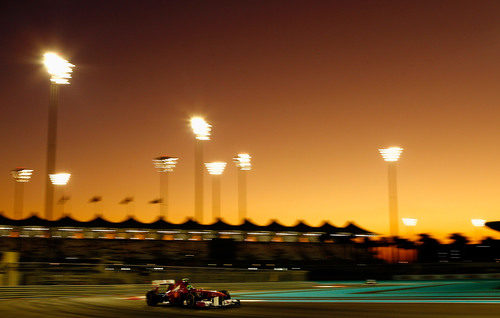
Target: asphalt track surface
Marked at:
334, 299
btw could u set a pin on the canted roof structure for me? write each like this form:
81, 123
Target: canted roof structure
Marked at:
160, 224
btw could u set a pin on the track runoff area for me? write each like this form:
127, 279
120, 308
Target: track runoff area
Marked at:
479, 298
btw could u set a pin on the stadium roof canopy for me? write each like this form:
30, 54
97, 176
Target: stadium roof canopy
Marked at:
160, 224
495, 225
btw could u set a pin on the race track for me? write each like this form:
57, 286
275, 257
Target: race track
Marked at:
115, 307
334, 299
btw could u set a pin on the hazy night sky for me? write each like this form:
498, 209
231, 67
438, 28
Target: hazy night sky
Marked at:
311, 89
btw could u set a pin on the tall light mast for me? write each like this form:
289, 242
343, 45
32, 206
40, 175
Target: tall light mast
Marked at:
164, 165
391, 156
21, 176
243, 162
60, 71
215, 169
201, 130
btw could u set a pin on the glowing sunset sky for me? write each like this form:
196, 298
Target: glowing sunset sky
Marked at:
311, 89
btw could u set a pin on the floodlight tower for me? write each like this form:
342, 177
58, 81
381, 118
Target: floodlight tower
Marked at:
60, 71
21, 176
410, 223
243, 162
201, 130
478, 224
215, 169
391, 156
60, 179
164, 165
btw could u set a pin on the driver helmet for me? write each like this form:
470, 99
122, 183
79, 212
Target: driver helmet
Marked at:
185, 280
189, 287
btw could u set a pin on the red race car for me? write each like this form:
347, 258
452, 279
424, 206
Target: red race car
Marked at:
182, 293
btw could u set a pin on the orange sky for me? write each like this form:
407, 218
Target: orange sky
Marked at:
310, 89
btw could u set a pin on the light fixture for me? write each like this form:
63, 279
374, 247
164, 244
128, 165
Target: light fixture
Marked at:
478, 222
21, 174
165, 163
243, 161
409, 221
215, 168
201, 128
59, 68
60, 178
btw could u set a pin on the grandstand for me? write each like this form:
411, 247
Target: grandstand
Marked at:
99, 228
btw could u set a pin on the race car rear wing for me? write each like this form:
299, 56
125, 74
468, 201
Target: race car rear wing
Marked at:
163, 282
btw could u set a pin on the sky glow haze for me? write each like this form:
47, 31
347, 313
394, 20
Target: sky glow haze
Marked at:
310, 89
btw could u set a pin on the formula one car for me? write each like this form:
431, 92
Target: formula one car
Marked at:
181, 293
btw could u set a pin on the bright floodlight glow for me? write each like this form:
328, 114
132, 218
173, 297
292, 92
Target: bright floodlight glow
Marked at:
21, 174
59, 178
215, 168
243, 161
391, 154
201, 128
409, 221
478, 222
58, 68
165, 163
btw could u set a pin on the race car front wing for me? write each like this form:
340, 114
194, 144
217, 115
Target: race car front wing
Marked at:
217, 302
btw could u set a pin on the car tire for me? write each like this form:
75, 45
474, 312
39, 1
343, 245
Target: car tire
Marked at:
191, 301
151, 298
